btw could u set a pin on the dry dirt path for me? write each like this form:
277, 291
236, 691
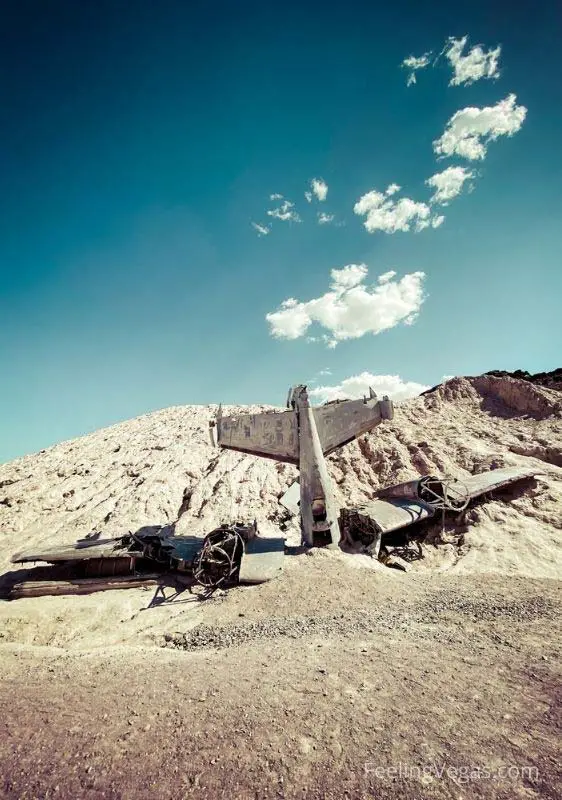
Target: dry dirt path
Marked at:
448, 690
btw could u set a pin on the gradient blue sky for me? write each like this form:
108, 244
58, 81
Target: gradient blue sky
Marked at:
140, 139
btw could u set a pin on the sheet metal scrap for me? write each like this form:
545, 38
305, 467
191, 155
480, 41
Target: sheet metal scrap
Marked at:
405, 504
227, 555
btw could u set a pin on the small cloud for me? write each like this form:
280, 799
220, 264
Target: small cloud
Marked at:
414, 63
325, 219
262, 230
473, 66
448, 184
275, 196
319, 189
357, 386
470, 130
385, 214
392, 189
285, 212
350, 309
308, 196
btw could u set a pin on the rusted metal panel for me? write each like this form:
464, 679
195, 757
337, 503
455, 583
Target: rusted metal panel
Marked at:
495, 479
80, 585
262, 560
271, 435
340, 423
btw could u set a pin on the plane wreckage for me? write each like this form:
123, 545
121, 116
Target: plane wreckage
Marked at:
235, 553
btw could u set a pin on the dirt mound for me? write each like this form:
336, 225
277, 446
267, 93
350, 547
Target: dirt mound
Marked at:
552, 379
507, 397
161, 469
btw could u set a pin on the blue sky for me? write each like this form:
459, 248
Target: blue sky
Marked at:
139, 142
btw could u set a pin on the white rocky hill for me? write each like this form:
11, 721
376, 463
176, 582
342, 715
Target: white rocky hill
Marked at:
161, 469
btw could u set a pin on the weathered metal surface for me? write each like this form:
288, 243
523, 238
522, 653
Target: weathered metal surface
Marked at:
185, 548
262, 560
495, 479
83, 549
340, 423
391, 515
80, 585
270, 435
291, 499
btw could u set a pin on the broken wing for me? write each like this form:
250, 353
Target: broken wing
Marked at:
340, 423
271, 435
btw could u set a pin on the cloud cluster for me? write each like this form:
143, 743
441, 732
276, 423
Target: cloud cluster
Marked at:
325, 219
474, 65
414, 63
448, 184
469, 130
383, 213
285, 211
350, 309
358, 386
467, 68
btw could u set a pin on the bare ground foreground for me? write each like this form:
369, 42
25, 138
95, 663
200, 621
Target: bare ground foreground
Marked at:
342, 678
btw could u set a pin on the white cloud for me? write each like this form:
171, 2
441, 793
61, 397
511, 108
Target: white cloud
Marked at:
469, 130
358, 386
262, 230
276, 196
308, 196
474, 65
392, 189
285, 212
414, 63
350, 309
385, 214
325, 219
448, 184
319, 189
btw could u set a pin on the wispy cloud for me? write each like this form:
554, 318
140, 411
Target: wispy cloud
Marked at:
325, 219
473, 66
448, 184
415, 63
358, 386
469, 130
262, 230
382, 213
350, 309
284, 212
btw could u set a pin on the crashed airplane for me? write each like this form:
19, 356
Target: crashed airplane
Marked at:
235, 553
305, 436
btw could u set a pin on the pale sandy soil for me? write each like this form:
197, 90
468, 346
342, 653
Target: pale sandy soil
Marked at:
302, 687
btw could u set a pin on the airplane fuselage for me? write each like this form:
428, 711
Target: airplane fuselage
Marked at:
319, 510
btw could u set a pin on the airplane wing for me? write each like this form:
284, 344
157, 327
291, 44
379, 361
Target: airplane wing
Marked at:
341, 422
270, 434
404, 504
495, 479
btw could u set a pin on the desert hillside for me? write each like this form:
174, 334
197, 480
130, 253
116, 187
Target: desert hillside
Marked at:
290, 688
